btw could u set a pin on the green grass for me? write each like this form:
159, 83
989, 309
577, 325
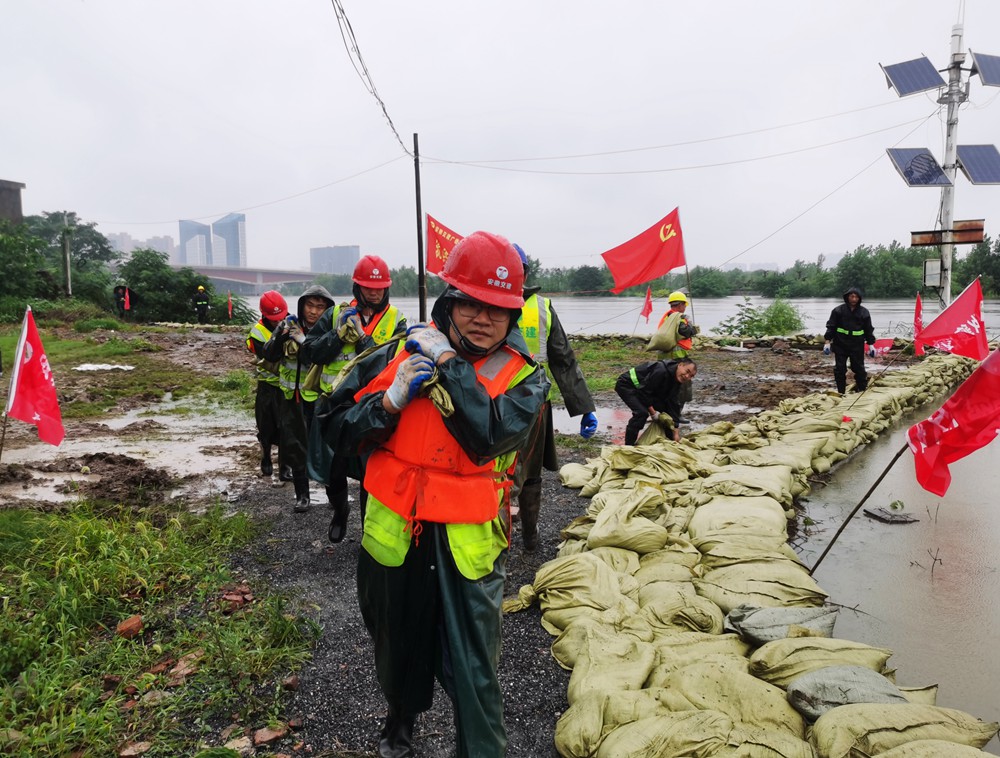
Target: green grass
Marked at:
67, 579
603, 359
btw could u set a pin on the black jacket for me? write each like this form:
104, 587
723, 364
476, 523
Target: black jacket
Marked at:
658, 386
848, 330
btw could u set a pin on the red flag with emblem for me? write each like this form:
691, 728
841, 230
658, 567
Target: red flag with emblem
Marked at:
230, 305
959, 328
440, 241
650, 255
918, 325
968, 420
32, 398
647, 307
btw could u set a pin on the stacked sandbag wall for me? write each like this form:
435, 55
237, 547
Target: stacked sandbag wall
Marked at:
692, 628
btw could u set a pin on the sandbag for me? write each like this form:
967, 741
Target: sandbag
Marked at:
748, 514
932, 749
761, 583
581, 728
760, 625
671, 735
602, 666
815, 693
876, 729
751, 481
742, 697
781, 661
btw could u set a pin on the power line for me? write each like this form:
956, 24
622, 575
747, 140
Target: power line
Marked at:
672, 144
678, 168
354, 53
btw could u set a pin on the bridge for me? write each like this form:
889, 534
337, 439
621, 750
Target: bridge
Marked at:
249, 281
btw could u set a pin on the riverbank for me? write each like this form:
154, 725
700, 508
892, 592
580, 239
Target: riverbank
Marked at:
199, 453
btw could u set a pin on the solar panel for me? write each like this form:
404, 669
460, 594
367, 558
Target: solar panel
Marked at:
980, 163
912, 76
988, 68
918, 167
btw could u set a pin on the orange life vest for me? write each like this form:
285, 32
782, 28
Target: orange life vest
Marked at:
421, 472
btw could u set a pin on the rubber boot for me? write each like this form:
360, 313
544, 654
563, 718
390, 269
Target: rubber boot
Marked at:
529, 502
266, 468
396, 739
302, 504
285, 474
341, 510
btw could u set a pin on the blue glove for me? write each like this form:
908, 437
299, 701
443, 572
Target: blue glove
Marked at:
826, 349
588, 425
871, 352
410, 375
428, 341
350, 316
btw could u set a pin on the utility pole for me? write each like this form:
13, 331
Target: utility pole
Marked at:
953, 97
66, 232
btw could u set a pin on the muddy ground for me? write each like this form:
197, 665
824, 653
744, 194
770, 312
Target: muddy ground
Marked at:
136, 458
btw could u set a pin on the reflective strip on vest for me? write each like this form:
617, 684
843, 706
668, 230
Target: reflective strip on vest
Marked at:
379, 329
534, 325
860, 333
261, 333
632, 375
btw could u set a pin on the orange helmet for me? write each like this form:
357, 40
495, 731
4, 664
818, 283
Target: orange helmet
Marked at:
486, 267
373, 272
273, 306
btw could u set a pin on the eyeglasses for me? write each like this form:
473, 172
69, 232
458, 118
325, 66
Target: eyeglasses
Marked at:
472, 308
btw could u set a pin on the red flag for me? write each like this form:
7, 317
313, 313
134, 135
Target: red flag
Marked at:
959, 328
650, 255
647, 307
230, 305
883, 346
32, 397
918, 325
128, 301
968, 420
440, 241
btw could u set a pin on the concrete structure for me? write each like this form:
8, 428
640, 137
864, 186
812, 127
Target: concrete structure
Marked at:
196, 244
338, 259
249, 281
10, 201
229, 244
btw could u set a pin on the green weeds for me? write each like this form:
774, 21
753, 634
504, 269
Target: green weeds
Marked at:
69, 684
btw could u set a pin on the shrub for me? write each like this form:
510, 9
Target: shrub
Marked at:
779, 318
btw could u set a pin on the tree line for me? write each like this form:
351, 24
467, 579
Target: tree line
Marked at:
32, 260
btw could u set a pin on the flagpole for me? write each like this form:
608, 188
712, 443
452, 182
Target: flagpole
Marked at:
421, 279
3, 434
687, 274
858, 507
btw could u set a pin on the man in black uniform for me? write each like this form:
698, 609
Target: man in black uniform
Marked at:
200, 300
847, 331
652, 388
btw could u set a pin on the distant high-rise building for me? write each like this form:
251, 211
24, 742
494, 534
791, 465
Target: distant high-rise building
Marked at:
229, 241
338, 259
195, 245
123, 242
164, 244
10, 201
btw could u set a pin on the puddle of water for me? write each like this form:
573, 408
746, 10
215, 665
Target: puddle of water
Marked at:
102, 367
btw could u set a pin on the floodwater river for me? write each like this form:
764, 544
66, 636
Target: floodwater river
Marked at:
620, 315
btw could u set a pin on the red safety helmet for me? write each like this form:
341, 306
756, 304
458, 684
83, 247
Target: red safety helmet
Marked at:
373, 272
273, 306
486, 267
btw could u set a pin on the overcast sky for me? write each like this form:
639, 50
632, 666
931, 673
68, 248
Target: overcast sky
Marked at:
745, 115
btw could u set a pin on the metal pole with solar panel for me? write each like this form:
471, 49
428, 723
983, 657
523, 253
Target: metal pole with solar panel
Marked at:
919, 168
